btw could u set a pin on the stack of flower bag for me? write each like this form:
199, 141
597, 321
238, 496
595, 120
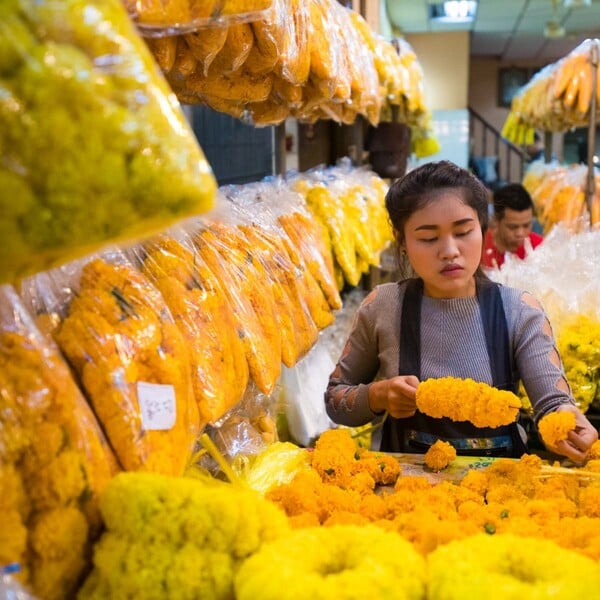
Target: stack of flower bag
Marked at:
54, 460
132, 360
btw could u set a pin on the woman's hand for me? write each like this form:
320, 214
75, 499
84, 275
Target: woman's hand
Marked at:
396, 395
580, 440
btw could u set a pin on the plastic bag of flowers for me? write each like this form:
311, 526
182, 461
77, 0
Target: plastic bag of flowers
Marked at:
54, 460
118, 335
225, 250
301, 307
177, 537
158, 18
95, 145
204, 315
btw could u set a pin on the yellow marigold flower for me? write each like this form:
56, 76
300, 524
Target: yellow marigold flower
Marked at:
594, 451
13, 537
555, 426
58, 539
61, 482
54, 458
128, 569
467, 400
476, 481
154, 508
338, 562
505, 566
440, 455
177, 538
59, 533
589, 501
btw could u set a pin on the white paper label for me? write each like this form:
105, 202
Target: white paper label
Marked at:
157, 405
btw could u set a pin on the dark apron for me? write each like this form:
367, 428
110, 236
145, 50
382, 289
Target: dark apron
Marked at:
415, 434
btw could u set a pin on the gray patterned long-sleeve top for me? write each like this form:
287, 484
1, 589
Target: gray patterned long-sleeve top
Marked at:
452, 344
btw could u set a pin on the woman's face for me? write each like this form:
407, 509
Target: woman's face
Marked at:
443, 242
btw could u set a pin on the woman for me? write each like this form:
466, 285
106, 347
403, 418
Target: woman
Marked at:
447, 320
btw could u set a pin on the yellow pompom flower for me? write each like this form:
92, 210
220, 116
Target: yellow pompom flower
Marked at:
440, 455
467, 400
173, 537
555, 426
508, 567
338, 562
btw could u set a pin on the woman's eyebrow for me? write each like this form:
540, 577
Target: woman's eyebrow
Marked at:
459, 222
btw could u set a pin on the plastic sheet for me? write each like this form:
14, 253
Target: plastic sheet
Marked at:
303, 393
95, 145
54, 459
118, 334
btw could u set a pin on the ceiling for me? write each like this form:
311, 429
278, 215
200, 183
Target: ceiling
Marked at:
508, 30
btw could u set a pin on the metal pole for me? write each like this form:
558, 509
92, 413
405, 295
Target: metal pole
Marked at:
279, 149
547, 146
590, 187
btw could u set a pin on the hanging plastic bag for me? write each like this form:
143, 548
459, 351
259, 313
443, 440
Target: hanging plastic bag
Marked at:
95, 146
119, 336
54, 460
204, 315
160, 17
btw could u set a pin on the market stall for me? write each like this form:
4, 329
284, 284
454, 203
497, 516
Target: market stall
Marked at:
145, 355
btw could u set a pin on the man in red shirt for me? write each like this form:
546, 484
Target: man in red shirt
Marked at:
510, 229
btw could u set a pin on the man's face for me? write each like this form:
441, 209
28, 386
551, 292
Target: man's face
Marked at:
513, 228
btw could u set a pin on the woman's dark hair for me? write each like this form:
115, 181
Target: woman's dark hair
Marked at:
421, 185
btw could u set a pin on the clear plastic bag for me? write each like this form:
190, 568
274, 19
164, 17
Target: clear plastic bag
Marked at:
118, 334
224, 249
95, 145
10, 588
204, 315
54, 459
156, 18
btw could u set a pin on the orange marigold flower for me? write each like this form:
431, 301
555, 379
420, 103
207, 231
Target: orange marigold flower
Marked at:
467, 400
555, 426
440, 455
594, 451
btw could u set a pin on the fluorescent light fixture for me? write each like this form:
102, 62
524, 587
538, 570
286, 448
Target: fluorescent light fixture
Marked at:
454, 11
576, 3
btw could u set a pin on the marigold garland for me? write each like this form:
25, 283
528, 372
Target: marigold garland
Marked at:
339, 562
509, 567
467, 400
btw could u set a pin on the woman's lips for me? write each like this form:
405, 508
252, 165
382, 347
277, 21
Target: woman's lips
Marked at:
449, 269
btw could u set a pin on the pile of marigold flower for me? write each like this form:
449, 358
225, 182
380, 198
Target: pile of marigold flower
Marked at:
525, 497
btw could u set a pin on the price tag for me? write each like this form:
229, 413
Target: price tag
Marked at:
157, 405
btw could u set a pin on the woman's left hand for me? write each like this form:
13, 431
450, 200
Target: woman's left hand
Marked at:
580, 440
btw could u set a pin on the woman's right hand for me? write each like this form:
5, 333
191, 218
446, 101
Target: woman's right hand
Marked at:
396, 395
